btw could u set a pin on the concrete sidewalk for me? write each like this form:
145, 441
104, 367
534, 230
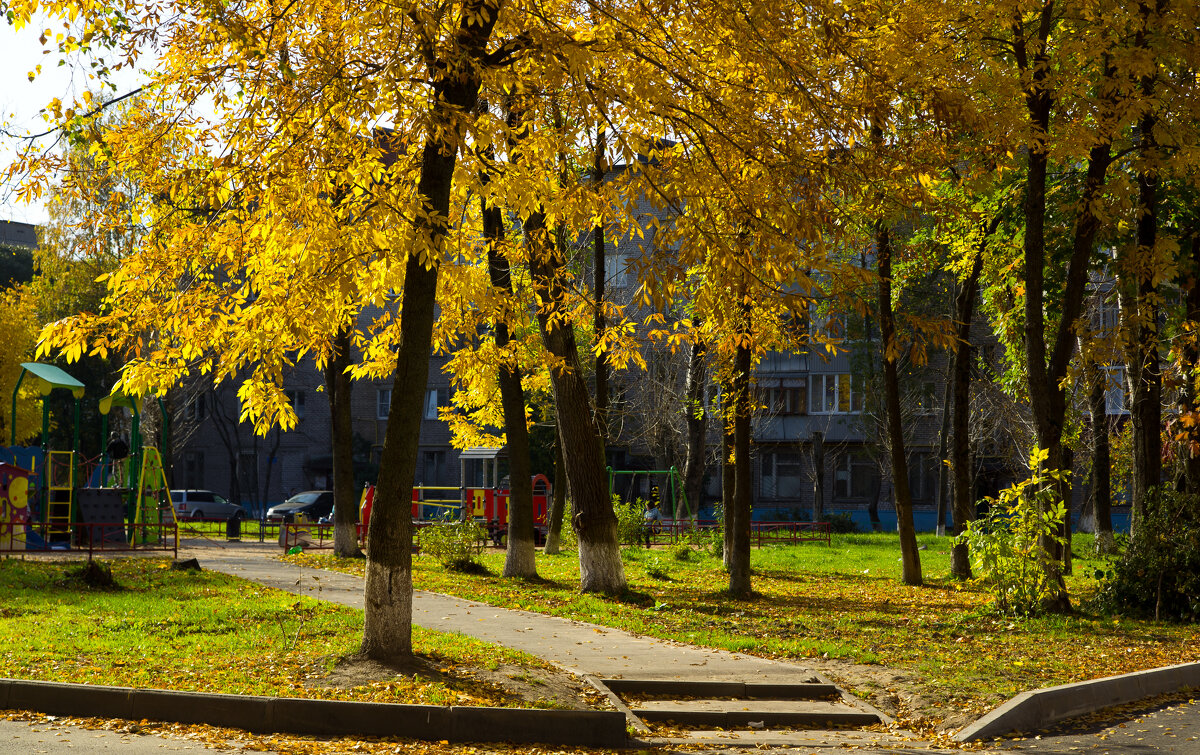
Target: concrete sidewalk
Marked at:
585, 649
599, 653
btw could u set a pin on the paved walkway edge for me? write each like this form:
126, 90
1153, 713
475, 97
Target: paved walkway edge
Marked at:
332, 718
1037, 709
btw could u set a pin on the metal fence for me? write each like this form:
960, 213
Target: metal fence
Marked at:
320, 536
669, 532
672, 532
57, 538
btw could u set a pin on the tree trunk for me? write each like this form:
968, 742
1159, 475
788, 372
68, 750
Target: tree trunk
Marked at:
272, 469
960, 455
818, 449
697, 426
1045, 372
1064, 528
1142, 360
345, 502
909, 555
873, 501
600, 567
227, 429
559, 501
943, 443
599, 275
1191, 363
387, 621
519, 560
728, 483
739, 558
1101, 462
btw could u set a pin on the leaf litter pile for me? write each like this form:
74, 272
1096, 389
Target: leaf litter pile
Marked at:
935, 657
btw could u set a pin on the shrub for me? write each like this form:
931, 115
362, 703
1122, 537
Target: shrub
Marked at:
716, 536
567, 540
840, 524
456, 545
1006, 544
1158, 573
631, 520
657, 570
703, 540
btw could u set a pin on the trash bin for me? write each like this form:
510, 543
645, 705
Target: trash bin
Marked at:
233, 528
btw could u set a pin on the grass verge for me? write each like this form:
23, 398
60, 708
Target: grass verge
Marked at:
205, 631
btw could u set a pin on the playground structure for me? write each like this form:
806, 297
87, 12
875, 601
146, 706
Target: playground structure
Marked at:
483, 494
675, 495
52, 502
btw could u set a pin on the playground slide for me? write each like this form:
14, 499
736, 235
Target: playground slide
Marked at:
35, 542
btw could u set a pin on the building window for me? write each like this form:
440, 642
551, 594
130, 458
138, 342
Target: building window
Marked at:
616, 267
922, 477
788, 399
926, 398
433, 467
1105, 317
827, 325
856, 477
296, 399
195, 409
1114, 394
835, 394
782, 474
383, 402
431, 403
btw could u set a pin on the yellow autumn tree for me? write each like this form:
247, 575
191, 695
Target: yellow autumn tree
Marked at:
19, 328
315, 180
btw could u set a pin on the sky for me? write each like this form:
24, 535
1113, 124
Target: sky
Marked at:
21, 100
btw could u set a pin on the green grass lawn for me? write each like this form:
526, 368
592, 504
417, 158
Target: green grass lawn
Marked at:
205, 631
841, 601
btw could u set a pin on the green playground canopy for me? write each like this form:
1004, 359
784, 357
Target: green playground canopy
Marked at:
48, 378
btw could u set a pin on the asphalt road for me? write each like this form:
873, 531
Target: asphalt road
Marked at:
1168, 726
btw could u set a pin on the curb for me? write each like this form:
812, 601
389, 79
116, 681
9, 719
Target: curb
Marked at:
1041, 708
330, 718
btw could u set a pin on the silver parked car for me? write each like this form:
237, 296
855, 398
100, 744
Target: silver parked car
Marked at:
204, 504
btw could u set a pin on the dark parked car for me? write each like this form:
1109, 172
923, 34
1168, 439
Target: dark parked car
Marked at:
315, 505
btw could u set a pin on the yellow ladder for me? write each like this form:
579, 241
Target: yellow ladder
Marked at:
154, 498
60, 495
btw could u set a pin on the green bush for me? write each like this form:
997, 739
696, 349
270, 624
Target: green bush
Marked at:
840, 524
1006, 545
456, 545
631, 520
655, 569
567, 540
715, 537
705, 540
1158, 573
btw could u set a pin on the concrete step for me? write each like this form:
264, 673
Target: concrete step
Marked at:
811, 740
809, 690
741, 713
